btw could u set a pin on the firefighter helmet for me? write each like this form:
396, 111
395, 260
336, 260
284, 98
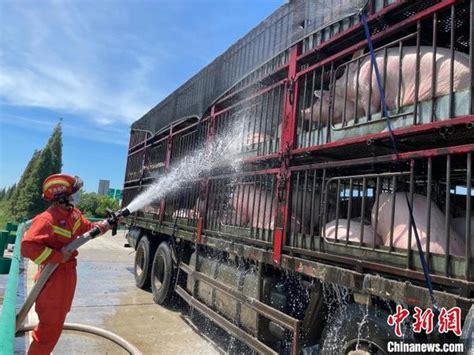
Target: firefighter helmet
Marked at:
58, 187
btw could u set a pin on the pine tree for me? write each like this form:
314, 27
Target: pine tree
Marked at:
27, 200
3, 192
55, 144
44, 169
14, 193
9, 192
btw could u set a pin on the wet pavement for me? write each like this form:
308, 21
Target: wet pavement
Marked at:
106, 297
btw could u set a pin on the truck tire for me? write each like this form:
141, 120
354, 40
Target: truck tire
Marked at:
163, 275
344, 335
142, 263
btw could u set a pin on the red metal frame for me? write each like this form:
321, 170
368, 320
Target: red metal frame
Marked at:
426, 153
383, 135
286, 145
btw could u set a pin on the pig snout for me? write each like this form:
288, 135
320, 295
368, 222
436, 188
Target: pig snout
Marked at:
401, 224
318, 112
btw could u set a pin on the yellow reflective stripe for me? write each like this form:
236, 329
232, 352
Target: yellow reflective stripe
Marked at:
76, 226
56, 182
43, 256
62, 231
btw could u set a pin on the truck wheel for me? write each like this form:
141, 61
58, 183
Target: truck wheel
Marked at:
163, 275
142, 267
356, 330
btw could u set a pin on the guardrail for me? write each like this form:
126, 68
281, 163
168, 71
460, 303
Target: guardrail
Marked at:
7, 236
8, 316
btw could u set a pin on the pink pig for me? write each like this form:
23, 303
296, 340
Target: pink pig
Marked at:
352, 86
407, 64
401, 224
353, 233
254, 205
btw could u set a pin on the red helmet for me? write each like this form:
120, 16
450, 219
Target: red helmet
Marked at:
59, 186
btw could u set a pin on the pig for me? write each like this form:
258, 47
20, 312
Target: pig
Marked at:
233, 218
254, 206
306, 205
184, 213
354, 232
408, 74
459, 225
319, 114
361, 83
401, 224
255, 138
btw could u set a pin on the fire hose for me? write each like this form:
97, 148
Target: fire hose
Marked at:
48, 270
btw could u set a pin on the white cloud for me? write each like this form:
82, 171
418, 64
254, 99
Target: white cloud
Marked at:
116, 134
58, 60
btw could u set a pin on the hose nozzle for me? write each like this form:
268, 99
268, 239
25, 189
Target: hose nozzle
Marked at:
113, 218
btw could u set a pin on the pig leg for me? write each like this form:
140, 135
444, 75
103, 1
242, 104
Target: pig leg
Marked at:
352, 234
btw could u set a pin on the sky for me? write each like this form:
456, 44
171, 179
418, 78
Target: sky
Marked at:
101, 65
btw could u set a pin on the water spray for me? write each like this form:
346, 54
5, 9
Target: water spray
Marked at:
223, 151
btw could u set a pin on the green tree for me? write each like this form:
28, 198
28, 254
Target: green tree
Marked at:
27, 199
88, 203
3, 192
24, 203
43, 169
17, 205
55, 144
9, 192
13, 194
95, 205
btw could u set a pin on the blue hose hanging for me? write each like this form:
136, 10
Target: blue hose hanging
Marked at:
395, 150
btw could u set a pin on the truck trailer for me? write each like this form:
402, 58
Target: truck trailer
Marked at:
348, 226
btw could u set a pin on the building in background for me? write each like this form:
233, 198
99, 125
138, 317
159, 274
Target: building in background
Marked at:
103, 187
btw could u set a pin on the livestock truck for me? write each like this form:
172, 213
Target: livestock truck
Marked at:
356, 152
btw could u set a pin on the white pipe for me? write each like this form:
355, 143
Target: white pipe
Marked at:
44, 276
132, 349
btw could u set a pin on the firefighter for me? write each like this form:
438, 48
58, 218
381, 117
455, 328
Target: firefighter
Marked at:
44, 243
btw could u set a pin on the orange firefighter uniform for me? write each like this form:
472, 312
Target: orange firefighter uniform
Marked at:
50, 231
